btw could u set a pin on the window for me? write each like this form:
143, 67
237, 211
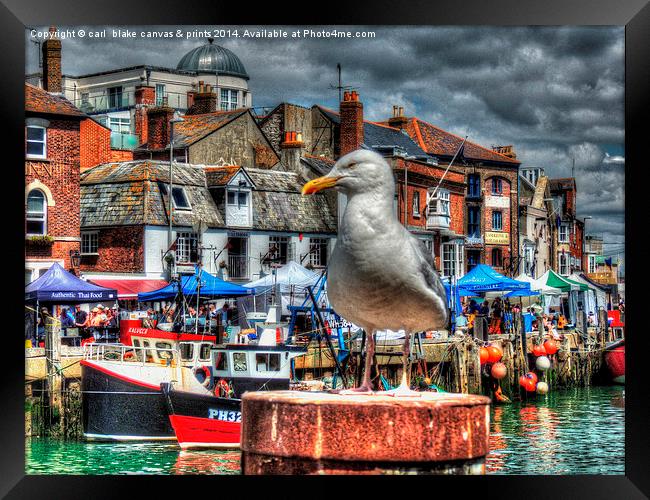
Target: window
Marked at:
497, 186
120, 125
228, 99
267, 362
452, 259
180, 199
416, 203
529, 260
204, 352
160, 94
592, 264
221, 363
115, 97
473, 186
473, 259
563, 235
474, 222
187, 351
564, 264
239, 362
36, 216
36, 142
497, 220
497, 257
439, 203
279, 249
318, 252
163, 352
187, 248
89, 243
238, 198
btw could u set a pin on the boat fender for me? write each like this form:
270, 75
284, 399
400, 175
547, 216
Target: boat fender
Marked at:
129, 356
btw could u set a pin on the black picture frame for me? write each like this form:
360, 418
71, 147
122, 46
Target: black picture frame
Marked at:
634, 14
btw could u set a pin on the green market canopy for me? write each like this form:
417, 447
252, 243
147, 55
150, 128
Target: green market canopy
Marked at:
551, 278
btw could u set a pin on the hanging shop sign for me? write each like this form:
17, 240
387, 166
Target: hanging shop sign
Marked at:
494, 238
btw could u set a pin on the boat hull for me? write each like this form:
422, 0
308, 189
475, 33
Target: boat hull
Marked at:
119, 408
615, 362
202, 421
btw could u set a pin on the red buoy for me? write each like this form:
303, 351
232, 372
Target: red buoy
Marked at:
539, 350
484, 355
499, 371
494, 353
527, 383
550, 346
532, 376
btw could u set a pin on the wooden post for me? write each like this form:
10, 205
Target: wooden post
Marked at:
53, 366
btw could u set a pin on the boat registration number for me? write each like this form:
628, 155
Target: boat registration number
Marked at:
225, 415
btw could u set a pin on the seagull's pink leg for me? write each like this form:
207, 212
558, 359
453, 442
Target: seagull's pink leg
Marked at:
366, 386
403, 390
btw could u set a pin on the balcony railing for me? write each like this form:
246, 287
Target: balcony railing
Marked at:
124, 141
438, 221
238, 266
113, 102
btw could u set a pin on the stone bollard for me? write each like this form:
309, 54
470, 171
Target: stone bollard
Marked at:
294, 432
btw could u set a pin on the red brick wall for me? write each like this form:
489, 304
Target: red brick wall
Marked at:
120, 155
158, 127
120, 249
145, 96
60, 173
95, 144
351, 128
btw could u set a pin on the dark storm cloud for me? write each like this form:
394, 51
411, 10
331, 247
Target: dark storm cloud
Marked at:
555, 93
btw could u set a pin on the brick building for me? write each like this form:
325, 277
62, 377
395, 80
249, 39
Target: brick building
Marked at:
569, 244
326, 135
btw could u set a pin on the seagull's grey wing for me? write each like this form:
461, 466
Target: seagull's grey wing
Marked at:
427, 269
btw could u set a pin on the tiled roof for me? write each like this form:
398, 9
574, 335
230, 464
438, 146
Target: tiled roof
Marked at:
129, 193
140, 170
40, 101
278, 204
220, 176
115, 194
377, 135
195, 127
439, 142
319, 165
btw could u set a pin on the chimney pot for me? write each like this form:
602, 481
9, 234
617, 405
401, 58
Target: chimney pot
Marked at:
401, 111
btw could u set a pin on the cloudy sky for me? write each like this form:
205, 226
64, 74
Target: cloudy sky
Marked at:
557, 94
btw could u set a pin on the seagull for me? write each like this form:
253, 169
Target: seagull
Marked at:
380, 276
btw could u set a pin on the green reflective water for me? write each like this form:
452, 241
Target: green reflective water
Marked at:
577, 431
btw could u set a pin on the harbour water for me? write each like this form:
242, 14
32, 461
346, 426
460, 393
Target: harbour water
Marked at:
573, 431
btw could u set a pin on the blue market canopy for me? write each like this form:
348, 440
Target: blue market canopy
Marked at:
60, 286
485, 279
522, 293
211, 287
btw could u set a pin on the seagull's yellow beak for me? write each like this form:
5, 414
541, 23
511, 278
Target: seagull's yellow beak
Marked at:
319, 184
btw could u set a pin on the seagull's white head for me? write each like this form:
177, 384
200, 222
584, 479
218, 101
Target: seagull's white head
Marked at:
358, 172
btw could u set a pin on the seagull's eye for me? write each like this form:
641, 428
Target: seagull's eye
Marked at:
350, 165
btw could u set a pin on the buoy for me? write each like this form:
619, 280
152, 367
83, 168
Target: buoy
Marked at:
494, 353
539, 350
551, 347
278, 336
484, 355
499, 371
542, 388
527, 383
542, 363
532, 376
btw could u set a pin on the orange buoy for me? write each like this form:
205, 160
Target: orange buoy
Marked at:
499, 371
527, 383
484, 355
550, 346
539, 350
495, 354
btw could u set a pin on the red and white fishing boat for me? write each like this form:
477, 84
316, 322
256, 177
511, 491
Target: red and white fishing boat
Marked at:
615, 361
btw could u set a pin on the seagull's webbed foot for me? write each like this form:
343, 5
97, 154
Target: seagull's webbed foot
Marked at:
403, 391
362, 389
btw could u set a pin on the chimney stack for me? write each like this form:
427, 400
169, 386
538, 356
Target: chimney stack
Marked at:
203, 101
508, 151
291, 151
52, 64
159, 128
145, 96
351, 127
398, 120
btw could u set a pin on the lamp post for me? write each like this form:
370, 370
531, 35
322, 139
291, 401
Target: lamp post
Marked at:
584, 241
174, 120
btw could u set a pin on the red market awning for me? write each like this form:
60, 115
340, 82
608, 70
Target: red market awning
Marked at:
128, 289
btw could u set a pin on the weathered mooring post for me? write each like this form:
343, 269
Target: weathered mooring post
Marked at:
53, 366
292, 432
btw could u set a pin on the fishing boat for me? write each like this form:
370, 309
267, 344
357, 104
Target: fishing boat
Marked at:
213, 420
615, 361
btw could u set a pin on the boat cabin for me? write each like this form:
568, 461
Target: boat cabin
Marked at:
158, 350
251, 367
